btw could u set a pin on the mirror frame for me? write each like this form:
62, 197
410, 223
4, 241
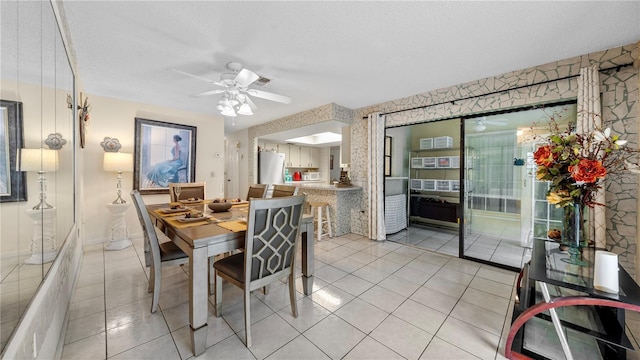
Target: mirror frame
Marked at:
13, 140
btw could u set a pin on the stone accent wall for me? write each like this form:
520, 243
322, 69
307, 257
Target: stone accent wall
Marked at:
537, 85
620, 112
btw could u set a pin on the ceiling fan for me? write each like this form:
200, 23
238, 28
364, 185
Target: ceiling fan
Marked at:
482, 122
235, 89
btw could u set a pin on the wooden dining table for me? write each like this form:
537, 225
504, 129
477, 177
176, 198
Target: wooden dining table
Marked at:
209, 237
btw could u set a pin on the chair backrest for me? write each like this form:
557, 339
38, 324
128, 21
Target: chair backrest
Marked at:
151, 243
196, 190
257, 191
271, 242
284, 190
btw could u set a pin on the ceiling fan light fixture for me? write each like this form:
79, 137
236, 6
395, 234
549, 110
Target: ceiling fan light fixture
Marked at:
228, 111
245, 109
480, 127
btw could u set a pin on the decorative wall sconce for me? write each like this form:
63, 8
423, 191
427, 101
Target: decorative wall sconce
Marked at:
110, 144
55, 141
83, 115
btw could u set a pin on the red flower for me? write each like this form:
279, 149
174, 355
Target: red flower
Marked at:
588, 171
543, 156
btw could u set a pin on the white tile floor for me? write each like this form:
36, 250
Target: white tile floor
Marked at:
502, 249
371, 300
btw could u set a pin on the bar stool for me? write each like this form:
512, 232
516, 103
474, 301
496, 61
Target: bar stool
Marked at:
320, 222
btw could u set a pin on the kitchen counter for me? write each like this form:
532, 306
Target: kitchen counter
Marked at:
320, 186
345, 203
302, 182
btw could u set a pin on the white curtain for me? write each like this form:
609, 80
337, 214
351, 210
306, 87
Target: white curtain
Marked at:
590, 118
375, 176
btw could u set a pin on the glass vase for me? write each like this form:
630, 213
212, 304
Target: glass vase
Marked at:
573, 233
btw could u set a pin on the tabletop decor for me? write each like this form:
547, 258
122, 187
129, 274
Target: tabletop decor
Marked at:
575, 165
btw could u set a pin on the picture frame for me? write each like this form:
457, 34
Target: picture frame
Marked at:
156, 163
13, 184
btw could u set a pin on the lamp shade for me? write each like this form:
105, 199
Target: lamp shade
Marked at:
38, 160
245, 109
117, 161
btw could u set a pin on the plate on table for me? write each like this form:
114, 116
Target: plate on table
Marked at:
170, 211
190, 201
184, 219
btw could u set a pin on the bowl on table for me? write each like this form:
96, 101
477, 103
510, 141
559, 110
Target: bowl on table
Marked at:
220, 206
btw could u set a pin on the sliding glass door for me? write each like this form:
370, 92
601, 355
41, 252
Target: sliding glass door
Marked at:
504, 205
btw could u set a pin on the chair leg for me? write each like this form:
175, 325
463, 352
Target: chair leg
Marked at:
247, 317
319, 223
152, 278
211, 276
329, 221
157, 283
218, 285
292, 295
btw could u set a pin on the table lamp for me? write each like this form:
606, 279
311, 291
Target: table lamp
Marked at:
42, 161
118, 162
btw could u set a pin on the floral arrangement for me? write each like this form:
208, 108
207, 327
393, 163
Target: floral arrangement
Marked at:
575, 163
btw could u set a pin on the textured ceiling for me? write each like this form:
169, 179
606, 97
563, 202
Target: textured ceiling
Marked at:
351, 53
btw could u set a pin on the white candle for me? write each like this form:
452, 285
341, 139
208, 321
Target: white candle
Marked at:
605, 274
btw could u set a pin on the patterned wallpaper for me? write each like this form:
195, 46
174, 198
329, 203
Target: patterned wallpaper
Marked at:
537, 85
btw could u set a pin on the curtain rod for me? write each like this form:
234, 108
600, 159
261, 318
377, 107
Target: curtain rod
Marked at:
617, 68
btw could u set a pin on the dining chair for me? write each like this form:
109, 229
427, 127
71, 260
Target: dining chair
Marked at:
196, 190
284, 190
257, 191
165, 254
271, 242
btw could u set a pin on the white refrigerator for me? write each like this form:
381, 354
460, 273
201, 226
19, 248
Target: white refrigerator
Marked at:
270, 167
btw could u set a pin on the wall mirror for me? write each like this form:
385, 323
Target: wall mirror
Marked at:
36, 87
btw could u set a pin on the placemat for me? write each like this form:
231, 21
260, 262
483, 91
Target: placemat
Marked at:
181, 225
174, 213
234, 225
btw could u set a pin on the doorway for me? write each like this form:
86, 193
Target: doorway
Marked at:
497, 205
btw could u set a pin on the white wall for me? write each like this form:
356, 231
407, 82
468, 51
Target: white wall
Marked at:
116, 118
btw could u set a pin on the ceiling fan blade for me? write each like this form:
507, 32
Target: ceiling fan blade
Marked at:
191, 75
208, 93
199, 77
245, 78
252, 105
269, 96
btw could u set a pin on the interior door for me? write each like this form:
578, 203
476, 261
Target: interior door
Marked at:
232, 175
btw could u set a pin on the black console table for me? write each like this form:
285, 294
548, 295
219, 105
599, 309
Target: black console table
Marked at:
561, 315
